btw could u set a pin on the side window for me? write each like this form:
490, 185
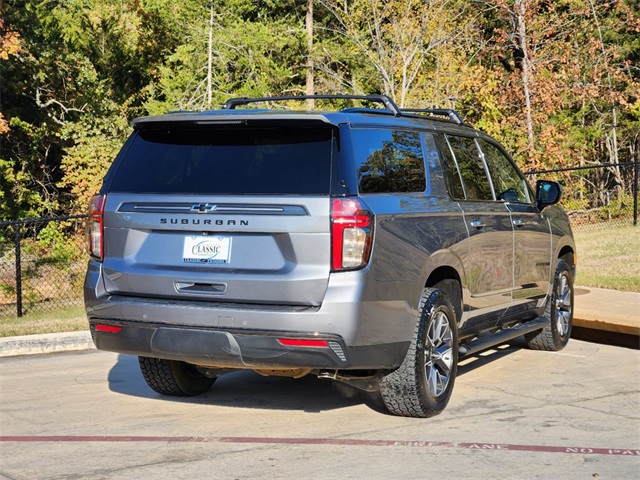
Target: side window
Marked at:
472, 171
389, 161
508, 184
451, 174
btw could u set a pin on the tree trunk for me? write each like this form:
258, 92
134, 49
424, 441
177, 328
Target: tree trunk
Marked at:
527, 80
210, 55
613, 150
310, 90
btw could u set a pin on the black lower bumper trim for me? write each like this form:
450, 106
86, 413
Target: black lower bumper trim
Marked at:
241, 349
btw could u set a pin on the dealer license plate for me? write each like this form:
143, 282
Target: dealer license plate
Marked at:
207, 249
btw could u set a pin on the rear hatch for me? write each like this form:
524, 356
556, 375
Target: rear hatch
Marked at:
229, 212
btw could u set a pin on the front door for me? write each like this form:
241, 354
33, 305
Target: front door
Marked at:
532, 235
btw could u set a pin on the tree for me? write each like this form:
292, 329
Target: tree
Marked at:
400, 38
232, 48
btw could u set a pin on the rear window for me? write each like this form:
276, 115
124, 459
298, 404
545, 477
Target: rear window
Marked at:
389, 161
283, 160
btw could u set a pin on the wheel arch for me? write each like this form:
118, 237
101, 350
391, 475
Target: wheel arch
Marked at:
567, 251
447, 279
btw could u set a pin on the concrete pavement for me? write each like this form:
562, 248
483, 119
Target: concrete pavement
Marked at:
597, 309
514, 413
607, 310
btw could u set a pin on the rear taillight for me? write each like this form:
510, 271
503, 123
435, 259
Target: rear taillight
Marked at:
351, 234
95, 226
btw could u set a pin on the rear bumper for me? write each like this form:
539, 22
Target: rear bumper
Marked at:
360, 334
240, 349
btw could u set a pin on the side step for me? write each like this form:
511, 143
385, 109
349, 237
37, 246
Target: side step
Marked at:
501, 336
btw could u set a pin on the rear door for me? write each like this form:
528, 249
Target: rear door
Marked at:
223, 213
489, 260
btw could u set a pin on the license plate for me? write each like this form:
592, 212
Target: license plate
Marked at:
200, 249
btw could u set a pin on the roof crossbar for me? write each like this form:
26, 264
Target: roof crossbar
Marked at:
389, 104
441, 112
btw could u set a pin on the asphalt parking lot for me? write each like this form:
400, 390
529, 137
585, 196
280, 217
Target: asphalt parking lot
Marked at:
514, 413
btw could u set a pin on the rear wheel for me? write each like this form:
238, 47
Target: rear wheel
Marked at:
422, 385
172, 377
559, 310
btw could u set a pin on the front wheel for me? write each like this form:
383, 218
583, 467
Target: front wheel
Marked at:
555, 336
172, 377
422, 385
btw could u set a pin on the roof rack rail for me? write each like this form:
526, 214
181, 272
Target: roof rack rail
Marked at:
441, 112
389, 104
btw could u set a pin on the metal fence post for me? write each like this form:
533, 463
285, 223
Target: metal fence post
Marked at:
18, 271
635, 194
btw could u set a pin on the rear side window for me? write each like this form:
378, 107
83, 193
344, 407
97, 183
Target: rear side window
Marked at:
471, 167
389, 161
283, 160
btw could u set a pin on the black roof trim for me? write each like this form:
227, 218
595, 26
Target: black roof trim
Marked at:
389, 104
441, 112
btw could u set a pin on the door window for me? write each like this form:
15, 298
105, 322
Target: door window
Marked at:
471, 167
451, 174
507, 182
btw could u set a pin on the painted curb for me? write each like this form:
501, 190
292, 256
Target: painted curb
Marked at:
606, 326
45, 343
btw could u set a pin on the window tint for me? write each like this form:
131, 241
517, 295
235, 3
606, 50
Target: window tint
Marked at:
507, 183
451, 175
472, 171
284, 160
389, 161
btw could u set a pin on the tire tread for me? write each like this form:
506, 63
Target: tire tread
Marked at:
546, 339
400, 389
168, 377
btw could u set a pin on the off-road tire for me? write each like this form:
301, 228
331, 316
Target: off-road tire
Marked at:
555, 336
172, 377
406, 391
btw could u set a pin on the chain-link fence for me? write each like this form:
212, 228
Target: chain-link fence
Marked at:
42, 265
597, 197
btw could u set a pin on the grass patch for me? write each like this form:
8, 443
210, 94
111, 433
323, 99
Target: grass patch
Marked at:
67, 320
609, 258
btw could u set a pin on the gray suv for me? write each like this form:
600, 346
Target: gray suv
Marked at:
370, 246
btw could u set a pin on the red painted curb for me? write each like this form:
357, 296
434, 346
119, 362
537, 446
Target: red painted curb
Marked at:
327, 441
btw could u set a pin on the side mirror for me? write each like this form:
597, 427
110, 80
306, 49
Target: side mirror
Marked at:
547, 193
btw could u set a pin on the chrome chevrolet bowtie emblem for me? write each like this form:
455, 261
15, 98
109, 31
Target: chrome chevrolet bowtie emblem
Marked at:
203, 207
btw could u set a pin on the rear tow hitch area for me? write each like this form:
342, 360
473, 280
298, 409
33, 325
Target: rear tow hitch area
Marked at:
367, 382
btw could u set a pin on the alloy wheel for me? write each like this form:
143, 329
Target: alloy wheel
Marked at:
438, 354
564, 306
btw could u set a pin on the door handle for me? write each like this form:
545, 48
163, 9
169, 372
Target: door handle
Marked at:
518, 222
476, 224
192, 287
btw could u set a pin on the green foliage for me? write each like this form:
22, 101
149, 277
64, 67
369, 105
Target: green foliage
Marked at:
96, 143
619, 206
251, 56
74, 74
53, 238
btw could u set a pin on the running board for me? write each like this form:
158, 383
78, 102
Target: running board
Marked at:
501, 336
